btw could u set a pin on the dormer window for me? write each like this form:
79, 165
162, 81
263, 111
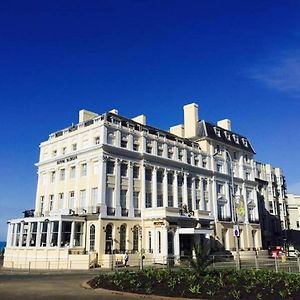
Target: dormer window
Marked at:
236, 139
217, 131
245, 142
227, 135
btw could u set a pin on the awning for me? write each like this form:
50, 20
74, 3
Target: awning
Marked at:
195, 231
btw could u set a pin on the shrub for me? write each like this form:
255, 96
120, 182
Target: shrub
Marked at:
214, 284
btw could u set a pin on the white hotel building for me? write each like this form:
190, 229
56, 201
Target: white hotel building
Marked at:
111, 184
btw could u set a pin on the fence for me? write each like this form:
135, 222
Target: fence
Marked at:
286, 264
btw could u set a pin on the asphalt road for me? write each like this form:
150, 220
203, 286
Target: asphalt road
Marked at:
51, 286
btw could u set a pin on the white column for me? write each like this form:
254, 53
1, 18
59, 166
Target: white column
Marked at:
48, 234
117, 187
77, 180
103, 134
164, 241
165, 188
245, 204
193, 193
256, 204
130, 191
38, 234
202, 191
88, 199
213, 193
165, 150
176, 243
143, 143
192, 158
72, 234
143, 189
228, 204
154, 187
15, 235
8, 238
175, 189
59, 233
154, 149
28, 234
102, 185
118, 138
184, 190
130, 141
21, 234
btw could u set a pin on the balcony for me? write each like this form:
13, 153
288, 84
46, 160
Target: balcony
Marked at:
137, 213
28, 213
253, 220
111, 211
124, 212
224, 219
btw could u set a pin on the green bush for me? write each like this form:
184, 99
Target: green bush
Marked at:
213, 284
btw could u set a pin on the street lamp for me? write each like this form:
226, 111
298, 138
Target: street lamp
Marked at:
233, 208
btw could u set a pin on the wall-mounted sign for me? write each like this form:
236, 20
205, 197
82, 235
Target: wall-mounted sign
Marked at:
160, 223
67, 159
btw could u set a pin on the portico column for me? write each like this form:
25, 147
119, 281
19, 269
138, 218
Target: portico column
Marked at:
117, 187
175, 189
102, 185
165, 188
154, 187
59, 233
130, 190
164, 241
176, 243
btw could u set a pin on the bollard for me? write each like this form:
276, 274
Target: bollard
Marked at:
276, 265
256, 262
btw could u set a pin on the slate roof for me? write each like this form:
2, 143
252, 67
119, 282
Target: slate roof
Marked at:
214, 132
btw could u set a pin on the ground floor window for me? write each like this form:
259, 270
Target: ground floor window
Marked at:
33, 232
135, 239
66, 234
92, 238
54, 234
78, 234
123, 238
108, 239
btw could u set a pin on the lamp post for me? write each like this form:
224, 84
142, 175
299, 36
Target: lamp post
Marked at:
233, 208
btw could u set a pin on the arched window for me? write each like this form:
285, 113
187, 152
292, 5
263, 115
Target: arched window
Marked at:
135, 239
123, 238
170, 243
92, 238
108, 239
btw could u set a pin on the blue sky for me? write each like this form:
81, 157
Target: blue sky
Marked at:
237, 59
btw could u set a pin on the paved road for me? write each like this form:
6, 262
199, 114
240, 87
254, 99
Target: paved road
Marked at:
50, 286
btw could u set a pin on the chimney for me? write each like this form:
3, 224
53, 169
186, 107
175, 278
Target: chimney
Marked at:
85, 115
177, 130
140, 119
190, 120
225, 124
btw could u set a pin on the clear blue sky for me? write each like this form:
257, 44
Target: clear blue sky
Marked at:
236, 59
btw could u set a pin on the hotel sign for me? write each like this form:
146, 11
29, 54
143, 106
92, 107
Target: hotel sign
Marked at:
67, 159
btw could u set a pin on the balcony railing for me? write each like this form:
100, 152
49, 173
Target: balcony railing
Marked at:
111, 211
28, 213
254, 220
137, 213
224, 219
124, 212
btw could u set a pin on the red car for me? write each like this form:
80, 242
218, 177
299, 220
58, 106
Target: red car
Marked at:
277, 251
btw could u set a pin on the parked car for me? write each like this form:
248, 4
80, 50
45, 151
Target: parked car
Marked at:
276, 251
292, 252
